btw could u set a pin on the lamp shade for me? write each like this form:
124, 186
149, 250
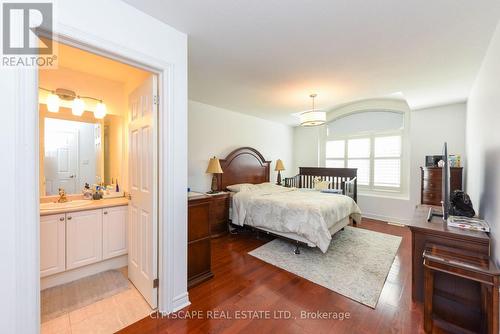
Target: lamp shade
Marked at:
279, 165
312, 118
214, 166
78, 107
53, 103
100, 110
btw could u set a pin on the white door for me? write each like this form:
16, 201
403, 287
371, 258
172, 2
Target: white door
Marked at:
61, 159
142, 253
114, 232
84, 238
52, 244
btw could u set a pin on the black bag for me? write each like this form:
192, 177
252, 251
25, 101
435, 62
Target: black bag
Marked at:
461, 205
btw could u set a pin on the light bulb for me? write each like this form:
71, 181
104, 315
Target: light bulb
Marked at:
78, 107
52, 103
100, 110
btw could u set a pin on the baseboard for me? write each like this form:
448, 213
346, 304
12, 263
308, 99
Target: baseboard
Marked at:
91, 269
180, 302
399, 221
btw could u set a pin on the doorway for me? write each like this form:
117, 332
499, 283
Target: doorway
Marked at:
97, 253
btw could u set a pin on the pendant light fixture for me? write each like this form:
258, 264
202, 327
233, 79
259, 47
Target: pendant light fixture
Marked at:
312, 117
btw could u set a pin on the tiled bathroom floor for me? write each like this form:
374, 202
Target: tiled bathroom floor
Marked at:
105, 316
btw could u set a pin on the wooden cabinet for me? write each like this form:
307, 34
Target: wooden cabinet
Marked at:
52, 244
458, 299
114, 232
208, 216
199, 248
219, 214
84, 238
431, 183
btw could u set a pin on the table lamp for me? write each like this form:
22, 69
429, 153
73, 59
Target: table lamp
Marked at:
279, 167
214, 168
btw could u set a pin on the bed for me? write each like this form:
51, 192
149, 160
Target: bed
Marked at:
302, 216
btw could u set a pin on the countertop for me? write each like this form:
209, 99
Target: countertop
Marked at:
98, 204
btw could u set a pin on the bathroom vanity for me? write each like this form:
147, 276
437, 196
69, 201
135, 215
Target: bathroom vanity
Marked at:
81, 237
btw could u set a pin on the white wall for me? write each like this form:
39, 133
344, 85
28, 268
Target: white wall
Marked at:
305, 147
84, 84
429, 129
483, 142
110, 26
215, 131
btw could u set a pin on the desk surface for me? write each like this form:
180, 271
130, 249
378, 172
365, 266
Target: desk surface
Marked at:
437, 225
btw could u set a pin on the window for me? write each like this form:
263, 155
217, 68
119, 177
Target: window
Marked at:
387, 162
378, 169
372, 142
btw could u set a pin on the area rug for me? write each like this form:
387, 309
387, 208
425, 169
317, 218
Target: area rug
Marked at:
356, 264
71, 296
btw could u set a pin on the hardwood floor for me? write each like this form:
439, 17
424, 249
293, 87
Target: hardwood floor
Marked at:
242, 282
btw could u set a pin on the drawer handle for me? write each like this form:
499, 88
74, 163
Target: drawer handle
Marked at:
105, 212
69, 218
61, 219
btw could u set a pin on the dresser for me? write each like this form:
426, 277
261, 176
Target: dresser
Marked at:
207, 218
431, 183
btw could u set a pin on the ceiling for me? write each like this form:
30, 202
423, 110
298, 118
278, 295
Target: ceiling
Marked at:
90, 63
264, 58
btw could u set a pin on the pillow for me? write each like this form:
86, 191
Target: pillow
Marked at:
265, 185
241, 187
321, 184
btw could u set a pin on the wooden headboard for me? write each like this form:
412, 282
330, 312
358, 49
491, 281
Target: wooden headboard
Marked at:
243, 165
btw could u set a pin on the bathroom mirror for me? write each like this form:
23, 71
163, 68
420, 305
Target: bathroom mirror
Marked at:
78, 149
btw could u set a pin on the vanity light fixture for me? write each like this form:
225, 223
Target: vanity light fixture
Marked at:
54, 98
312, 117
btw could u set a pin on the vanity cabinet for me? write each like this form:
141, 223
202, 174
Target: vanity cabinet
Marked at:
52, 244
84, 238
114, 232
75, 239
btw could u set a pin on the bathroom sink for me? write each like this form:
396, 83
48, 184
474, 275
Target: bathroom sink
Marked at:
70, 204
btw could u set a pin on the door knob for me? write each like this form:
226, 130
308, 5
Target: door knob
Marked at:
71, 176
105, 212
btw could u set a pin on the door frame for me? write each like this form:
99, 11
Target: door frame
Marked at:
172, 291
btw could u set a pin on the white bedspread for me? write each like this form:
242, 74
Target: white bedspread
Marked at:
307, 213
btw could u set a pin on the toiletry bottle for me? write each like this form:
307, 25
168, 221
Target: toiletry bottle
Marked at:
117, 186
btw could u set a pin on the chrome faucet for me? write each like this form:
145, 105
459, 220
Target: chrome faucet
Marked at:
62, 196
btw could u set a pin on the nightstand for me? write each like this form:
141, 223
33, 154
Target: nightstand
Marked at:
219, 214
208, 217
199, 248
